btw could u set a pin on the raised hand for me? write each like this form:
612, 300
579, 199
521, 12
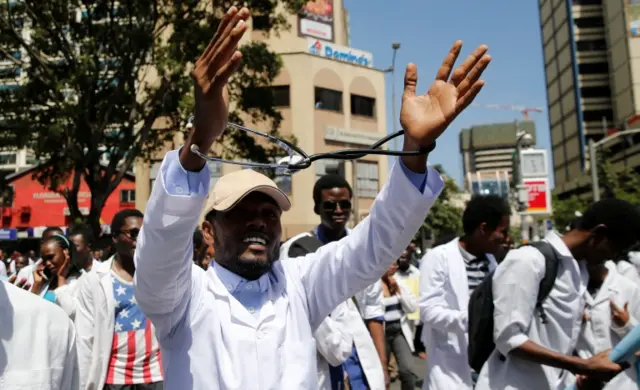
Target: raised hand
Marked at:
425, 117
211, 74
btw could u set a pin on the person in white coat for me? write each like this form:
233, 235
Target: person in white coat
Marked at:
612, 310
248, 321
332, 197
399, 301
37, 343
534, 351
448, 274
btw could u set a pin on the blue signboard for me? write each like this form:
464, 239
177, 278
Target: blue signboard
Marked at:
8, 234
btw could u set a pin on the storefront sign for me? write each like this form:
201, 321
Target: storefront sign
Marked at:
339, 53
349, 136
539, 196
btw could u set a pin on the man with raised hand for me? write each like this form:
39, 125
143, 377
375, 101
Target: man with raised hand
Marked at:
248, 321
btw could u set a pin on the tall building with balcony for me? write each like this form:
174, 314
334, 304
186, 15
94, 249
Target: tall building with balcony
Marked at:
592, 69
331, 97
487, 156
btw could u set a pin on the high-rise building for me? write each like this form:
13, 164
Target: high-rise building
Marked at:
487, 156
592, 69
331, 97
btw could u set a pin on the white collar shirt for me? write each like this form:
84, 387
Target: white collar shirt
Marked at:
209, 339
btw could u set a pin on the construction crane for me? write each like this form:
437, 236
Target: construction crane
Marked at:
524, 110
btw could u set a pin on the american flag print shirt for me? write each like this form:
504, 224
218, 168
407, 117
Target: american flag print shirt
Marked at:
135, 353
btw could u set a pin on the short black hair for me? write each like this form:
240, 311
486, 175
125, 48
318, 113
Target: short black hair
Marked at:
85, 231
328, 182
621, 218
198, 239
52, 230
121, 216
489, 209
210, 216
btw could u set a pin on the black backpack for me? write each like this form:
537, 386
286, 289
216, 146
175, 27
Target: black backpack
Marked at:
304, 245
481, 307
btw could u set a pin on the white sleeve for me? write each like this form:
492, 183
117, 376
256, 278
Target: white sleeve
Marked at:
333, 339
164, 254
435, 312
360, 259
67, 297
516, 283
370, 302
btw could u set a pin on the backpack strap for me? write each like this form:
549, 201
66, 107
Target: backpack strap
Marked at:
304, 245
551, 272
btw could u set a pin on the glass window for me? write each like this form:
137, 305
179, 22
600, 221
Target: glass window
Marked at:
491, 187
127, 196
367, 179
362, 105
254, 97
328, 99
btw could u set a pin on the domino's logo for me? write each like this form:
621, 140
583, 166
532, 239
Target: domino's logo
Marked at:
316, 48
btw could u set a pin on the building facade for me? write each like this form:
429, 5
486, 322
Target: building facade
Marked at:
487, 156
592, 70
331, 97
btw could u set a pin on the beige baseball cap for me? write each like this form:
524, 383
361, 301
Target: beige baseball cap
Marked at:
233, 187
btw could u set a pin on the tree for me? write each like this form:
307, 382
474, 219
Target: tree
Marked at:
102, 83
564, 211
618, 183
444, 217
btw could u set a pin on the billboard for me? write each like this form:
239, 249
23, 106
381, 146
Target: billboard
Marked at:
634, 17
539, 196
339, 53
315, 19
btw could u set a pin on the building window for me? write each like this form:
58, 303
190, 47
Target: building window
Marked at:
587, 2
255, 97
8, 159
597, 68
261, 22
589, 92
367, 179
490, 187
328, 99
127, 196
591, 45
215, 172
589, 22
329, 166
362, 105
597, 115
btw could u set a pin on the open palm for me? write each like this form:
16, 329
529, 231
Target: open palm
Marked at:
425, 117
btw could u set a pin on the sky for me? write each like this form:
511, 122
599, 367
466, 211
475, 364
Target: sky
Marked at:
426, 29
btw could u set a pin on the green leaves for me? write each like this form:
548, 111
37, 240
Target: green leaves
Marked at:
444, 217
112, 78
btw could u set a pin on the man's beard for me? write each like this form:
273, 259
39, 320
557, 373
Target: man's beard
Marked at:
253, 269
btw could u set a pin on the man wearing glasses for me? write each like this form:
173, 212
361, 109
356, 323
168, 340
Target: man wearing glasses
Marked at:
366, 357
117, 346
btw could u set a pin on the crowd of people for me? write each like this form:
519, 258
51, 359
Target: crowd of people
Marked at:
223, 303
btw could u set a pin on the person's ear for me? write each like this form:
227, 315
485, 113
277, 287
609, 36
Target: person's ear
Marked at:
316, 209
206, 227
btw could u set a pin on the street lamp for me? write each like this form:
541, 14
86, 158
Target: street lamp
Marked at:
593, 146
395, 46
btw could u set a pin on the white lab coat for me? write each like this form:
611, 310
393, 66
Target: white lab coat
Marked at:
37, 343
600, 333
209, 340
516, 283
444, 301
369, 307
334, 343
94, 322
629, 271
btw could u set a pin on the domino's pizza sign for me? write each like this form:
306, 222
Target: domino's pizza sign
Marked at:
339, 53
